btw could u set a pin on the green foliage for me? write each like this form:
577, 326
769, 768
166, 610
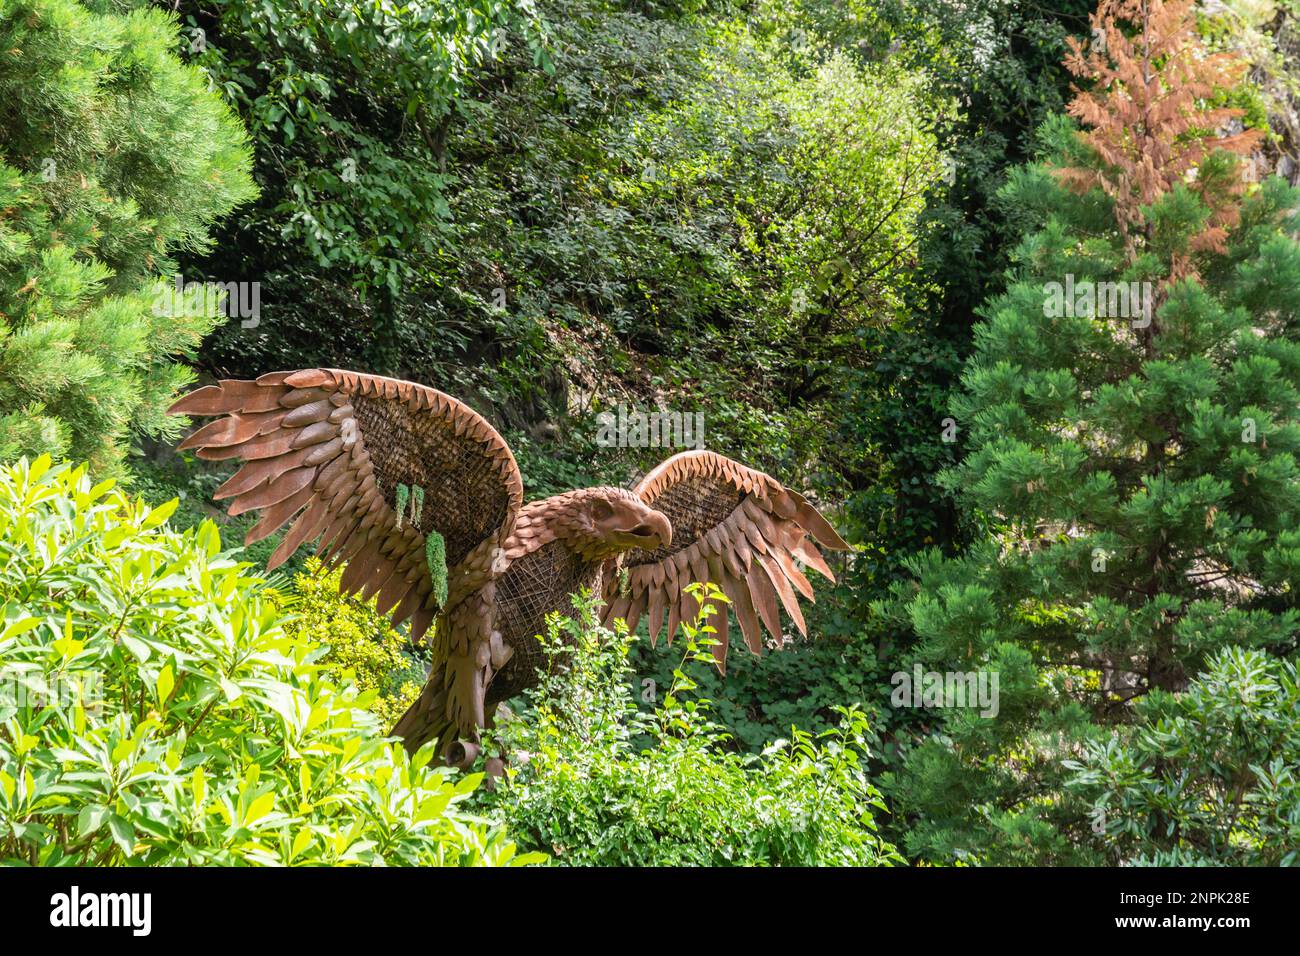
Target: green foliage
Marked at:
677, 180
800, 684
1265, 33
363, 647
349, 105
880, 443
157, 712
1205, 777
181, 475
1141, 479
417, 504
1002, 62
585, 790
113, 157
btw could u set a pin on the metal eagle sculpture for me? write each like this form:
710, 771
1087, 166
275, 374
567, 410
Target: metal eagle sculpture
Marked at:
423, 501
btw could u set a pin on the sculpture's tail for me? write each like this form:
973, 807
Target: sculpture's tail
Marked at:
426, 720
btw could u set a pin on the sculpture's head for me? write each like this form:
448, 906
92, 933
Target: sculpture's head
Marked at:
601, 522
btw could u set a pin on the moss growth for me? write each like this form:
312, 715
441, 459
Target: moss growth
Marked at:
435, 553
403, 494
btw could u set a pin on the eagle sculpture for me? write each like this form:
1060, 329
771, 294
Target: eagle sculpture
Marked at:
422, 500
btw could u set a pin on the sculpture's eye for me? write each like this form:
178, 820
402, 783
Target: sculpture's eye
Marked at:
600, 510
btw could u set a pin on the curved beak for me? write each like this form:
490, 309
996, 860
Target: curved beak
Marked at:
657, 529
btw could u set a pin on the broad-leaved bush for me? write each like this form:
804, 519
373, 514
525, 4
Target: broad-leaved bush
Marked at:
593, 780
155, 710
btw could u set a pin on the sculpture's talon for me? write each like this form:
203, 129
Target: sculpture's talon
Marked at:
462, 753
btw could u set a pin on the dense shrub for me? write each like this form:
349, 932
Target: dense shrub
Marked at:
689, 212
594, 781
1207, 776
364, 647
349, 104
156, 711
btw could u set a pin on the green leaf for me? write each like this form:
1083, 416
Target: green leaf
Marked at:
160, 514
302, 839
199, 787
123, 833
90, 819
165, 683
260, 807
19, 627
230, 689
138, 648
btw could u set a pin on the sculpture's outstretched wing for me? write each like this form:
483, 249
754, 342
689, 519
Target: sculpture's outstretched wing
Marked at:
371, 465
734, 526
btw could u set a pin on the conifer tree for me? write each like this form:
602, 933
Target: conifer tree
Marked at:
1131, 410
113, 156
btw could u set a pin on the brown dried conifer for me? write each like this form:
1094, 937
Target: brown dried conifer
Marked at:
1150, 122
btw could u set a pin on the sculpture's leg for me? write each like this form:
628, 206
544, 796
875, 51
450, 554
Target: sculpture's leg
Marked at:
495, 768
462, 753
